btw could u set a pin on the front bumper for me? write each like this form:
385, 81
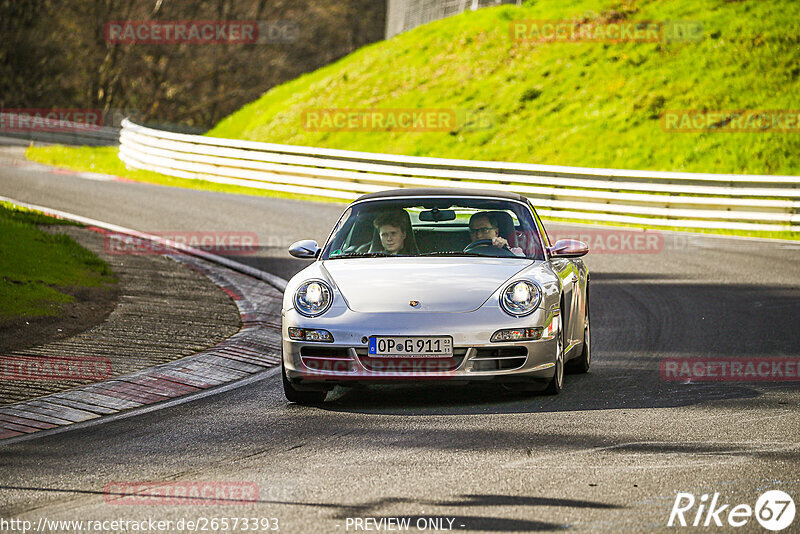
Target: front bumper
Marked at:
345, 361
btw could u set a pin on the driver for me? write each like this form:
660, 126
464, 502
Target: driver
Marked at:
484, 225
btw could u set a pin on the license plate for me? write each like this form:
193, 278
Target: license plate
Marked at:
411, 347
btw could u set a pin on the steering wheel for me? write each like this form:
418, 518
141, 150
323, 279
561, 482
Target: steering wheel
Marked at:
480, 243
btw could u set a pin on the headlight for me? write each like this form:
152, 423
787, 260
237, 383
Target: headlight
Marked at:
313, 298
520, 298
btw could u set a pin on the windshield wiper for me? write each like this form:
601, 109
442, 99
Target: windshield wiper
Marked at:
360, 255
454, 253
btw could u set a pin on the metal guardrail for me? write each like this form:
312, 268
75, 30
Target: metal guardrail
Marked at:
666, 199
403, 15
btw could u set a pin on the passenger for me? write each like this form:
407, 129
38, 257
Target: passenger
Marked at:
484, 225
390, 226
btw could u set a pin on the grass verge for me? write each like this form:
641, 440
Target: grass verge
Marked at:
36, 266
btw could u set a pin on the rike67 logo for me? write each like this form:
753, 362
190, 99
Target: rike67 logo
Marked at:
774, 510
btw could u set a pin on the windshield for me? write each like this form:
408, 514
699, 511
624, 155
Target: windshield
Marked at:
435, 226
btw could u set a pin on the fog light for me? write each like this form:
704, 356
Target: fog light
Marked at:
517, 334
307, 334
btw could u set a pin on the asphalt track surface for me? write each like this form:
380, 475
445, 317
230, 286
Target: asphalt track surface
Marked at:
608, 454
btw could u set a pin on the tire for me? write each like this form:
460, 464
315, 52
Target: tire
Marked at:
581, 364
555, 385
298, 396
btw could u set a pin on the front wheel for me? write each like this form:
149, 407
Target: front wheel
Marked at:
298, 396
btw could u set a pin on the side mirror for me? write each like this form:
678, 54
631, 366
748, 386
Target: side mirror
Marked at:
569, 248
307, 249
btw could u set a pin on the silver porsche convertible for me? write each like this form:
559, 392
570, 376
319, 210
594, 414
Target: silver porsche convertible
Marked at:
436, 284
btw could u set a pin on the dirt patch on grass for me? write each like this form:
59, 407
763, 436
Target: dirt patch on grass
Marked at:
91, 306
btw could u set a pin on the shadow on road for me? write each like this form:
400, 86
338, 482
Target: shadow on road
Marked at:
598, 390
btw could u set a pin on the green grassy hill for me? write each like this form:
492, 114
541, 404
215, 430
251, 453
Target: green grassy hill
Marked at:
583, 103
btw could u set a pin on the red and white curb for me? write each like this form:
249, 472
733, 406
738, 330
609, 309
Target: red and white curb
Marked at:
253, 350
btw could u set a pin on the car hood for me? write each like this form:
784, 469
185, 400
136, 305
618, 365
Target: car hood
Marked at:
375, 285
